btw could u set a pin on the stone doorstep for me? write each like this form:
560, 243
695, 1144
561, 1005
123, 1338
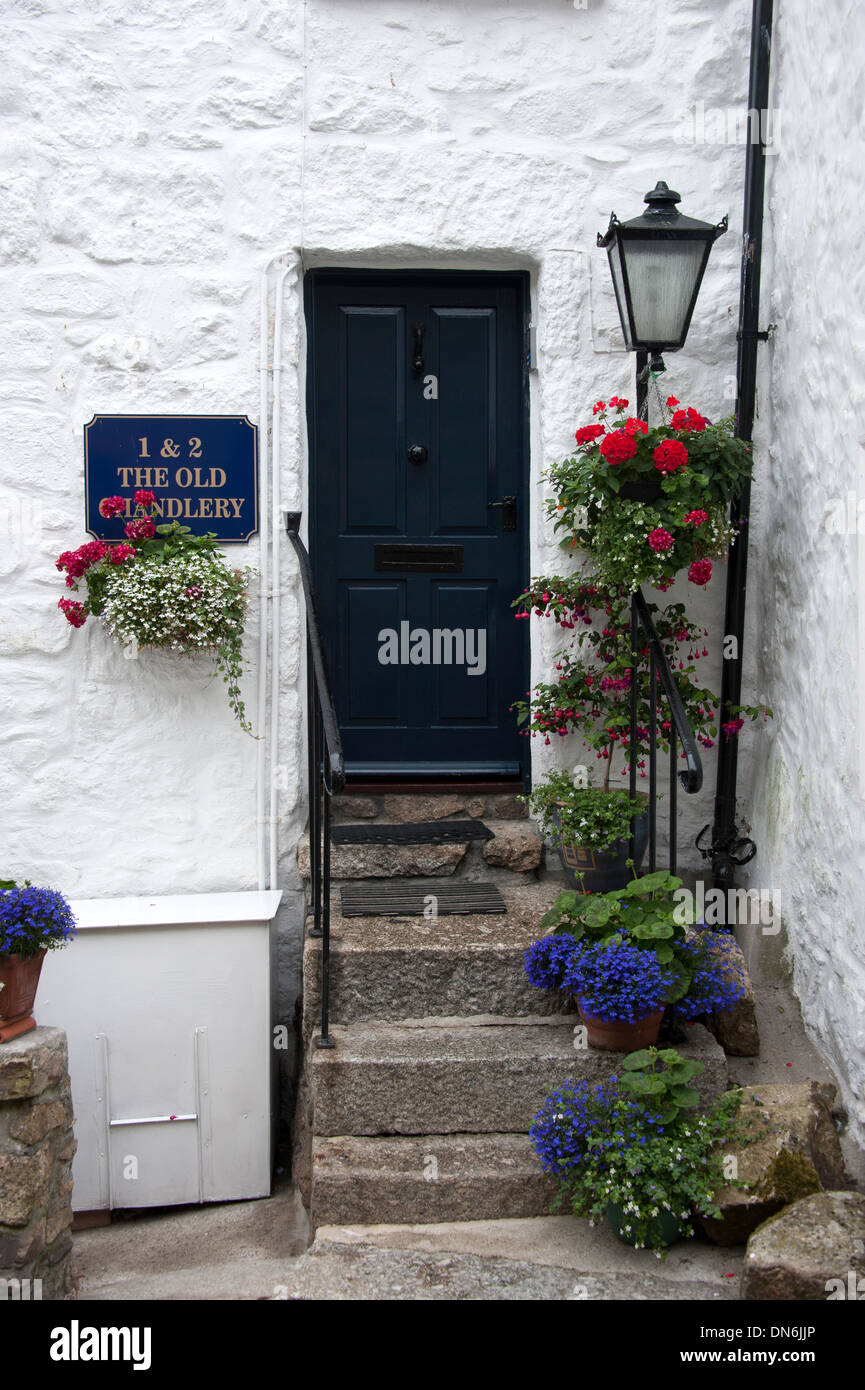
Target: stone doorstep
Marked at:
453, 1076
394, 968
427, 806
516, 846
426, 1178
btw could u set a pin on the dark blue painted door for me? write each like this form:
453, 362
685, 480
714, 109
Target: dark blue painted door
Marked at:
417, 406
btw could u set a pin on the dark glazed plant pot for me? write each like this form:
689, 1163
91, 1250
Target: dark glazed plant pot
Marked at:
19, 978
602, 870
665, 1228
616, 1036
640, 492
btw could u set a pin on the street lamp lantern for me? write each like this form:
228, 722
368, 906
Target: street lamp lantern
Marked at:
657, 262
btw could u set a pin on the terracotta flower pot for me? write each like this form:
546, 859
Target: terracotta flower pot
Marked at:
19, 978
616, 1036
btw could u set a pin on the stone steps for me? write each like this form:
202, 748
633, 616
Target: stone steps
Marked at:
426, 1178
393, 969
428, 805
516, 846
451, 1076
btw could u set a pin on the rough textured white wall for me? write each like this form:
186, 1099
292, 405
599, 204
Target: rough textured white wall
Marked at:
155, 157
805, 589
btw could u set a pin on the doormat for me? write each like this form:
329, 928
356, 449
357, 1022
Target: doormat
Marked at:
433, 832
399, 898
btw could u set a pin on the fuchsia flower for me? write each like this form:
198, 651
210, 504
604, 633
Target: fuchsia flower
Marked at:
732, 728
112, 506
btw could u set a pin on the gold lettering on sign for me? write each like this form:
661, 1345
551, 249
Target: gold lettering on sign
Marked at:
183, 477
237, 503
221, 505
195, 448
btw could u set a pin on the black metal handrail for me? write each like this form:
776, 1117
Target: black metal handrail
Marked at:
680, 733
326, 771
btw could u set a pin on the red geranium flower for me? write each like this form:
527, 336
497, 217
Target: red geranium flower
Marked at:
112, 506
140, 530
72, 611
697, 517
144, 497
599, 405
589, 432
634, 426
618, 447
659, 539
671, 402
700, 572
670, 455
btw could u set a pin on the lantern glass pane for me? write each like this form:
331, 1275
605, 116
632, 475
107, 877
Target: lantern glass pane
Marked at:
662, 277
615, 252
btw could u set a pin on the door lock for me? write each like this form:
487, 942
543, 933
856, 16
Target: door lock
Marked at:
508, 505
418, 453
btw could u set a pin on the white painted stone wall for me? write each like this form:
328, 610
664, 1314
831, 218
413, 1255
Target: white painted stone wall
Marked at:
156, 158
807, 588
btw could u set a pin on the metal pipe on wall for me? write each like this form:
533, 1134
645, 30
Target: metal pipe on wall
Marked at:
725, 839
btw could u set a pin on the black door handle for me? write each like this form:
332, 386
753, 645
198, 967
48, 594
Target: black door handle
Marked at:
418, 453
508, 505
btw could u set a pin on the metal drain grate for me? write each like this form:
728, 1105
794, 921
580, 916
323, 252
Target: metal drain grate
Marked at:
434, 832
403, 898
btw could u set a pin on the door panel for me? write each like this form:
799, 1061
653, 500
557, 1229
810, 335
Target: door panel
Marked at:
423, 652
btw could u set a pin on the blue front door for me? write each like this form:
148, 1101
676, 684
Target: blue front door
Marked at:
417, 407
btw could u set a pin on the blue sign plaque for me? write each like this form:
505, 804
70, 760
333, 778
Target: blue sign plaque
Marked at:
202, 469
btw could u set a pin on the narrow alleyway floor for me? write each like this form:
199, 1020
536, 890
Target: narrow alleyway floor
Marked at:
260, 1249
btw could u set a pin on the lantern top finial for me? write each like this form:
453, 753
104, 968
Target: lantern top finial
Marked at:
662, 199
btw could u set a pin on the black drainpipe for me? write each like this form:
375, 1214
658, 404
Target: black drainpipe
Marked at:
729, 850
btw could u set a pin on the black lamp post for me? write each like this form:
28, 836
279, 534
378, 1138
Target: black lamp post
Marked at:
657, 262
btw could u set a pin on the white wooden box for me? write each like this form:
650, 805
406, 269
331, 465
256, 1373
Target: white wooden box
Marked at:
166, 1005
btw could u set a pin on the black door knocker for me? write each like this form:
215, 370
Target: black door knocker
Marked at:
417, 364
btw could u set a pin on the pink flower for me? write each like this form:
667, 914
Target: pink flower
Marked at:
76, 563
144, 497
112, 506
118, 553
700, 572
73, 612
659, 539
697, 517
141, 529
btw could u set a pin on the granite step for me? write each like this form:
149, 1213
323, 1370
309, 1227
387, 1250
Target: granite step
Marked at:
396, 968
457, 1076
426, 1178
